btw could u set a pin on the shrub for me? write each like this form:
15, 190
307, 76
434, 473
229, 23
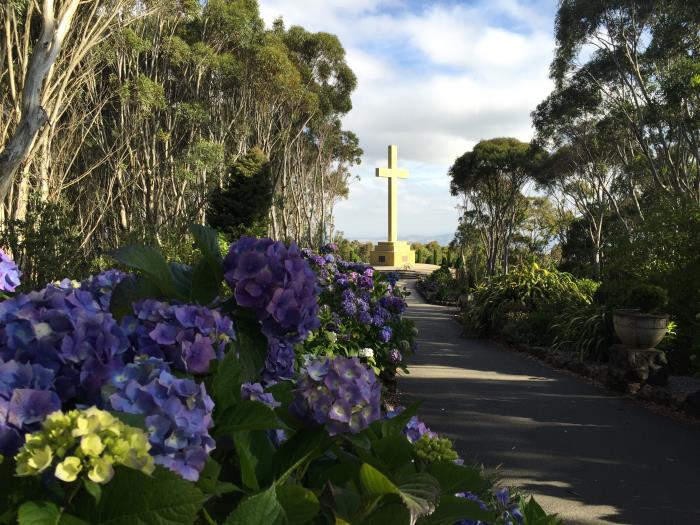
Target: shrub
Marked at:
527, 288
583, 328
647, 297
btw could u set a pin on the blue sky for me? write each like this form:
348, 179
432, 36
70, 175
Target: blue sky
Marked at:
434, 77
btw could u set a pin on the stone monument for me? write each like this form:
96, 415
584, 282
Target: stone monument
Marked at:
392, 252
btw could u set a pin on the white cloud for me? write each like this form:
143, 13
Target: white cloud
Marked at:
434, 78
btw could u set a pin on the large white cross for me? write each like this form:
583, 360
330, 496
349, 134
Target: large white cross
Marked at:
392, 172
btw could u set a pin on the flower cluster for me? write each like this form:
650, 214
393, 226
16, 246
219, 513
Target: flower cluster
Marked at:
66, 332
102, 285
88, 441
9, 273
415, 429
186, 336
26, 399
279, 285
178, 414
434, 448
341, 393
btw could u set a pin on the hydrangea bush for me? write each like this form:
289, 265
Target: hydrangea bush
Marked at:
361, 315
243, 389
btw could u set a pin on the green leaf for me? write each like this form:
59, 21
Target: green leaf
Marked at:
94, 489
204, 286
38, 513
135, 498
456, 478
182, 279
248, 461
127, 292
535, 515
300, 448
262, 508
392, 514
209, 483
227, 382
394, 451
248, 415
300, 504
206, 239
453, 509
419, 492
151, 262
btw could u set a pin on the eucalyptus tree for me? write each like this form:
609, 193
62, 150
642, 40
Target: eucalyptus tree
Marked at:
640, 60
491, 178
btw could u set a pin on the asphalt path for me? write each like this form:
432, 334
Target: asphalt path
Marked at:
585, 453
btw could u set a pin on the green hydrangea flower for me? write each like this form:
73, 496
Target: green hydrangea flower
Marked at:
434, 449
89, 442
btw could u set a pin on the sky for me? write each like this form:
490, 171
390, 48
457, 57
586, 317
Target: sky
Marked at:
434, 78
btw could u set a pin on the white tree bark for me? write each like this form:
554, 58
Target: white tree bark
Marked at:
53, 33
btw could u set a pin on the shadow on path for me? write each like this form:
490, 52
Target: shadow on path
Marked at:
587, 454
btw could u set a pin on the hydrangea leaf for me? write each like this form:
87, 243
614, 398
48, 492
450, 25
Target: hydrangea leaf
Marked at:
182, 279
453, 509
44, 513
227, 382
392, 514
94, 489
300, 504
129, 291
394, 451
303, 446
248, 415
205, 281
152, 263
457, 478
535, 515
419, 492
209, 482
133, 497
260, 508
247, 460
206, 239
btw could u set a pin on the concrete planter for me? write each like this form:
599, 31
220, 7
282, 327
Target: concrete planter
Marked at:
638, 330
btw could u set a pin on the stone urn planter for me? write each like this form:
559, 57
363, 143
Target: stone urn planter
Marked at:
638, 330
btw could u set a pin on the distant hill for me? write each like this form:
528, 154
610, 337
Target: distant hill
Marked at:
443, 239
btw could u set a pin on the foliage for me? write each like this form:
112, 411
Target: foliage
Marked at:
525, 288
312, 449
584, 329
242, 205
648, 298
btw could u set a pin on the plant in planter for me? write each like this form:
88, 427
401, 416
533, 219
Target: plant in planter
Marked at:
642, 325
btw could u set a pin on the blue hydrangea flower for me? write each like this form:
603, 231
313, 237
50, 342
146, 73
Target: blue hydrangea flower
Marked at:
26, 399
277, 282
341, 393
187, 336
255, 392
473, 497
385, 334
102, 285
395, 356
67, 332
416, 429
178, 414
9, 273
510, 512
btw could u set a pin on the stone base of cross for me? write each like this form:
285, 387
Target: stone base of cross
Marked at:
392, 252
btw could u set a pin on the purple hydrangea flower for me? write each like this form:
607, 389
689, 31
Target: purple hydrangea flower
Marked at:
26, 399
178, 414
187, 336
395, 356
416, 429
340, 393
277, 282
102, 285
9, 273
385, 334
66, 332
329, 248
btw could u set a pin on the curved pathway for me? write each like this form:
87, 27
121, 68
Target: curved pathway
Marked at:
587, 454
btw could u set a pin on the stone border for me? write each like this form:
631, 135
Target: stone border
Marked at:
429, 299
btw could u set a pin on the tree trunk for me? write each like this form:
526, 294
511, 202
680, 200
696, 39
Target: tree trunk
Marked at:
33, 117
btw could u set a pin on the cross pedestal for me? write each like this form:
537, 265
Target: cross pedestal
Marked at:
392, 252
